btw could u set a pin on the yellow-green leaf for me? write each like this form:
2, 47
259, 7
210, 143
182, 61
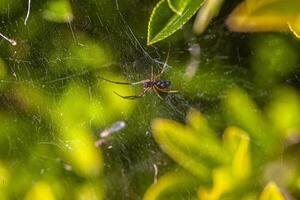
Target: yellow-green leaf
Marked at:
178, 6
222, 182
271, 192
59, 11
241, 164
186, 147
284, 111
174, 185
164, 22
265, 15
243, 112
209, 10
40, 190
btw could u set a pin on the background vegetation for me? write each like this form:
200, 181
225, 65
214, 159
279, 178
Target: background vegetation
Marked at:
232, 131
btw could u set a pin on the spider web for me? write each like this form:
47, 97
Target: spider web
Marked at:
34, 67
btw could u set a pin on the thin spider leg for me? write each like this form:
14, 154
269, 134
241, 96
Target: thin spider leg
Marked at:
152, 76
133, 96
165, 90
122, 83
116, 82
171, 91
156, 92
163, 68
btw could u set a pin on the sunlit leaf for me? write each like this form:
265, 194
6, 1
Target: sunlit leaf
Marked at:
265, 15
198, 122
227, 177
4, 176
242, 111
284, 111
294, 26
178, 6
92, 190
222, 182
271, 192
81, 153
164, 22
241, 163
41, 190
174, 185
209, 10
59, 11
186, 147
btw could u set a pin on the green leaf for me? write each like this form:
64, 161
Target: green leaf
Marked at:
265, 15
209, 10
174, 185
164, 22
271, 192
178, 6
59, 11
187, 148
284, 111
243, 112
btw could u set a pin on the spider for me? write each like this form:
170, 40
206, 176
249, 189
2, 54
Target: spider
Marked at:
154, 83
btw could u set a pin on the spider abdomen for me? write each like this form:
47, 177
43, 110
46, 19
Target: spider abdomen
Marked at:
162, 84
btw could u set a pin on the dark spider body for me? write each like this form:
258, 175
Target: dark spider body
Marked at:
161, 84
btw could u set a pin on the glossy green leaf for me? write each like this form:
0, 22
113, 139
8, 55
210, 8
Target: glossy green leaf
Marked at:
178, 6
174, 185
164, 22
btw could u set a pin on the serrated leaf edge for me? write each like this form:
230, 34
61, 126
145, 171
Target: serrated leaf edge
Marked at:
172, 7
169, 33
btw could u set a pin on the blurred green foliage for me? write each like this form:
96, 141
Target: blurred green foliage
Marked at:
232, 131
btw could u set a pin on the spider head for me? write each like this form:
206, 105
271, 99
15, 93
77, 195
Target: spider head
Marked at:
147, 84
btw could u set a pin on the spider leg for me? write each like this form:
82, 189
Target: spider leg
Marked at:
171, 91
157, 94
152, 76
123, 83
163, 68
141, 95
165, 90
115, 82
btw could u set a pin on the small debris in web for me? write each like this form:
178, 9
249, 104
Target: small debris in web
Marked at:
155, 173
100, 142
28, 12
192, 67
67, 167
115, 127
11, 41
